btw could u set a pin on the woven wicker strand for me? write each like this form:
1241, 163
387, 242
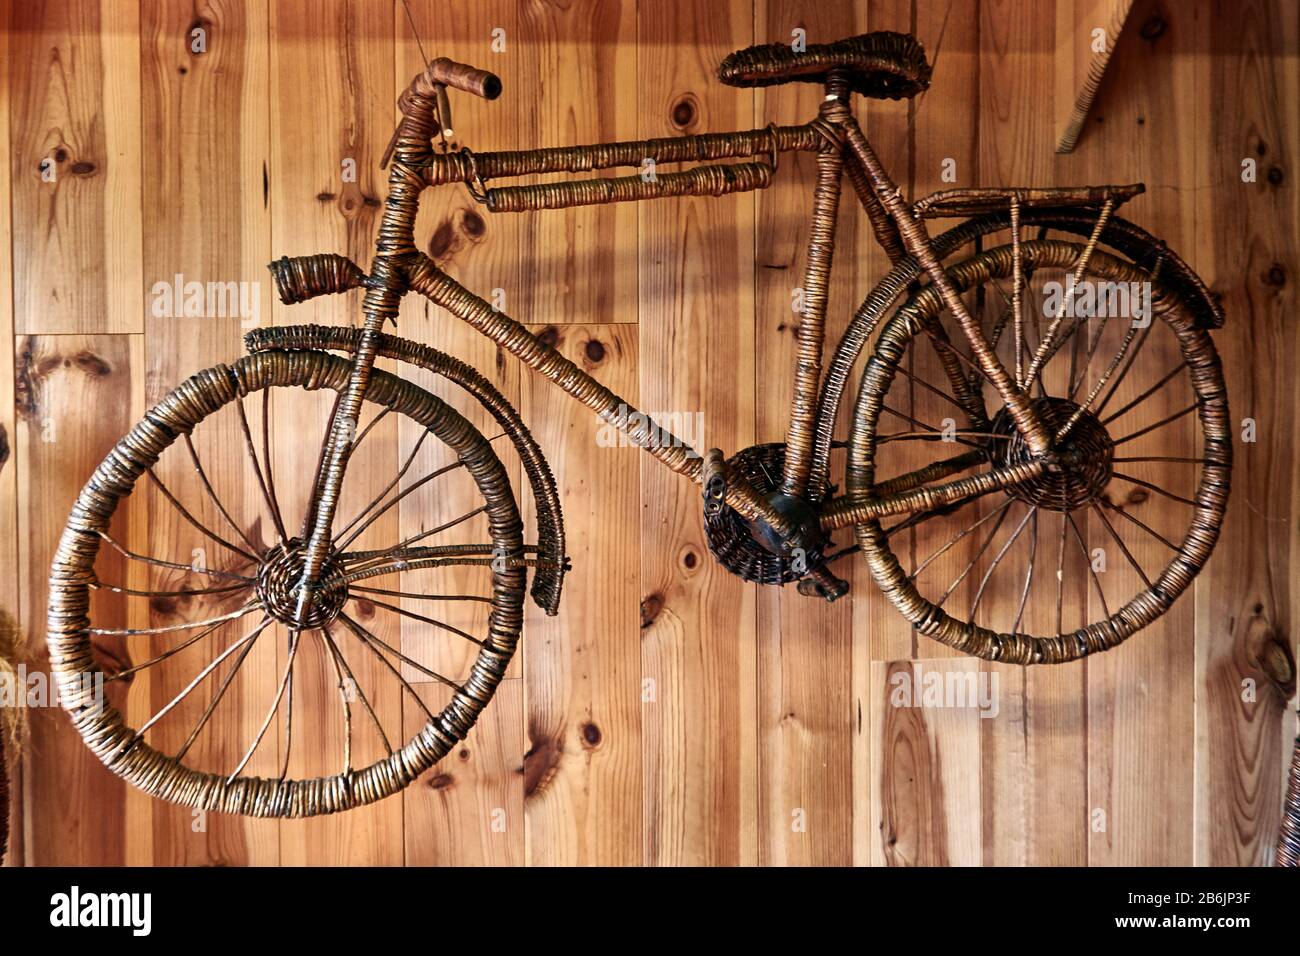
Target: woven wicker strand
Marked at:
1288, 840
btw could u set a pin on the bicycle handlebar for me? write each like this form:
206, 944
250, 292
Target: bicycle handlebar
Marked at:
463, 77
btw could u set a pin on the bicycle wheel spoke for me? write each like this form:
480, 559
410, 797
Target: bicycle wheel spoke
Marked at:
426, 620
973, 561
373, 422
922, 425
1122, 546
216, 699
401, 545
961, 534
1015, 535
1141, 341
1087, 559
122, 674
1160, 424
207, 485
939, 436
159, 562
1060, 571
419, 702
1096, 389
1145, 395
332, 653
288, 723
212, 665
410, 459
405, 492
167, 628
1179, 458
361, 694
180, 592
1156, 488
309, 513
364, 634
272, 510
275, 706
1042, 354
1141, 524
202, 528
266, 455
1029, 574
413, 596
926, 385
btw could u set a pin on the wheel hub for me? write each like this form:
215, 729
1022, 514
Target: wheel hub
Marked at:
277, 585
1080, 467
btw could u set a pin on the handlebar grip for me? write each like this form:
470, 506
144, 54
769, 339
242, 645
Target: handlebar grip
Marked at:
467, 79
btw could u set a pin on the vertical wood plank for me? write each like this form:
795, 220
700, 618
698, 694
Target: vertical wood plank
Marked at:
483, 253
1140, 695
203, 96
697, 347
583, 783
76, 184
332, 85
1016, 148
1246, 612
9, 549
805, 709
75, 395
587, 53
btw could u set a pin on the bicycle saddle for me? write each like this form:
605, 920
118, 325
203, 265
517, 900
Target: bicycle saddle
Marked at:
882, 65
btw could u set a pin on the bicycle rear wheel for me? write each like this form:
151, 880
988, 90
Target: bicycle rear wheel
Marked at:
403, 618
1137, 410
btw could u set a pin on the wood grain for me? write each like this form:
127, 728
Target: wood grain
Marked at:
697, 348
1246, 602
583, 769
75, 165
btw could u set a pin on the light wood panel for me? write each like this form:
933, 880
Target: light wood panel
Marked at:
76, 189
583, 771
9, 593
1246, 605
697, 348
332, 84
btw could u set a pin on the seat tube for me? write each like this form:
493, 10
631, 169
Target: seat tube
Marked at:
811, 334
917, 242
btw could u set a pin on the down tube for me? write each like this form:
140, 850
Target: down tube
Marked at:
442, 290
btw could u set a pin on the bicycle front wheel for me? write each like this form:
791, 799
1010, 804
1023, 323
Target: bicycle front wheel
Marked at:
199, 609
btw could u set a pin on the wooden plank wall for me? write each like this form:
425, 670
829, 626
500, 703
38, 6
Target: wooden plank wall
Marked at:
671, 714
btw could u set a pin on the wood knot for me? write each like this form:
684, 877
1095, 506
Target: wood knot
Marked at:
549, 336
441, 781
684, 112
651, 607
1153, 28
591, 735
595, 352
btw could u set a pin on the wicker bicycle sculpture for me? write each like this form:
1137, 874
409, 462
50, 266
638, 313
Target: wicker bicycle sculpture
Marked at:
1042, 407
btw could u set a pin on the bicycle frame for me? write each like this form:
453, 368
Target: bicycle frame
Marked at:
840, 147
